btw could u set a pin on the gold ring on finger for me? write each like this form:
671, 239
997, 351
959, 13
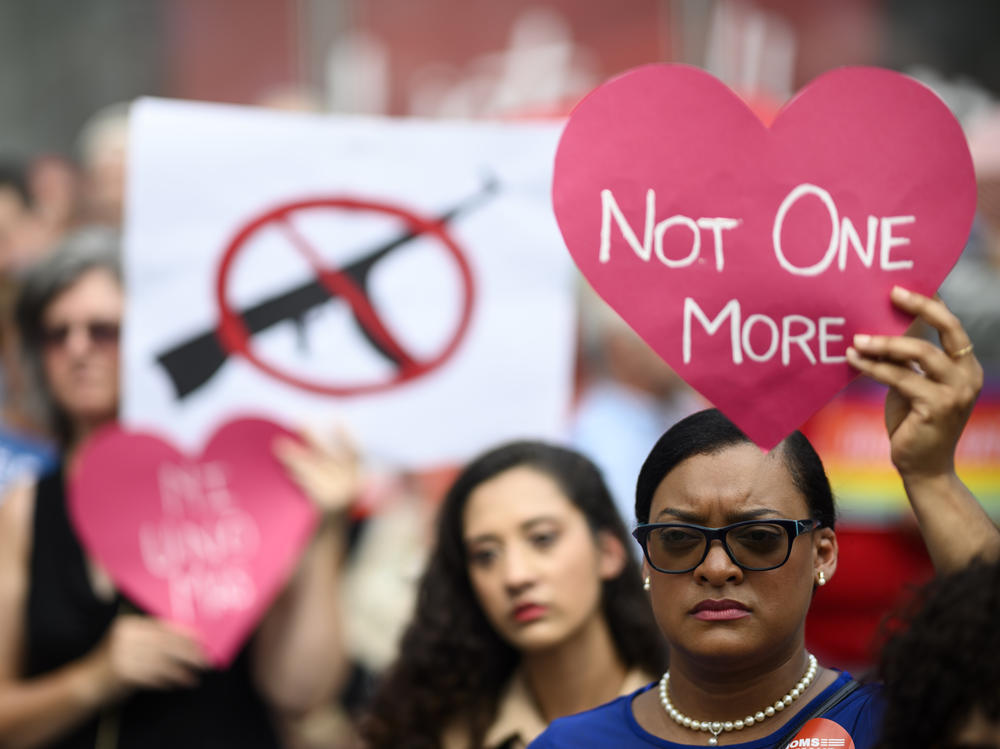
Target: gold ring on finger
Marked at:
961, 352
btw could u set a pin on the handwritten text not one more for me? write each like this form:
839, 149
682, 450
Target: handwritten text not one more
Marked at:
878, 251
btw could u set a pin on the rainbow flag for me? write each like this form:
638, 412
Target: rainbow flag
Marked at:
850, 435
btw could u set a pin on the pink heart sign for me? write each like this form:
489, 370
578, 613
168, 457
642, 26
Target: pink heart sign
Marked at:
749, 256
206, 541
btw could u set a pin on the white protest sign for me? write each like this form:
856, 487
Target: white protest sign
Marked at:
404, 277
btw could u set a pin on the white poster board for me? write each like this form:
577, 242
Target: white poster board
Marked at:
405, 278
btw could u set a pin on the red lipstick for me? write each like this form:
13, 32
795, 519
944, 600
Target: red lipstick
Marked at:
528, 612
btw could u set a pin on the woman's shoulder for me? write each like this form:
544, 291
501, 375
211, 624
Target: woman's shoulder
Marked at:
610, 724
860, 712
846, 709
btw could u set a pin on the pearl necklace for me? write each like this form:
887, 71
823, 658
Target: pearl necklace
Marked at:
716, 727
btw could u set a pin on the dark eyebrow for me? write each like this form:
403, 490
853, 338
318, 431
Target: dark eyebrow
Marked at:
690, 517
527, 525
685, 517
481, 539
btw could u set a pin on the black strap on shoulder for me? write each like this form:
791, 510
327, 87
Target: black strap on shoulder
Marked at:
834, 699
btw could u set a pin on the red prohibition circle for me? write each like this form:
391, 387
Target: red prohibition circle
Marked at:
235, 337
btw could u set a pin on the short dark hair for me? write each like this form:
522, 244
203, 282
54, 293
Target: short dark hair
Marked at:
943, 663
709, 431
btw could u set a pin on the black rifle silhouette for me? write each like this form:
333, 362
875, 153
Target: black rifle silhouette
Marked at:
192, 363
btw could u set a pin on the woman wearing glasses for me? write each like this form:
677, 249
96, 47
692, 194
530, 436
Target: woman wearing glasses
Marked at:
78, 667
736, 541
531, 608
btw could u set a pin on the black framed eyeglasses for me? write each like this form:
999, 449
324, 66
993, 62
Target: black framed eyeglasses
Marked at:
754, 545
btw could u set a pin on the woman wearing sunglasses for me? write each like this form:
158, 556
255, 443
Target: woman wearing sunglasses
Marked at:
79, 667
736, 540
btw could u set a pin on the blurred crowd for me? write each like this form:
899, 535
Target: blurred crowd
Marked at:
60, 242
43, 200
626, 396
372, 561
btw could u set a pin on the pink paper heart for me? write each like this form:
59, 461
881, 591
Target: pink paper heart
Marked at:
204, 541
671, 144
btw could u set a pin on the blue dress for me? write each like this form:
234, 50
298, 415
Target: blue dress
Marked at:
614, 725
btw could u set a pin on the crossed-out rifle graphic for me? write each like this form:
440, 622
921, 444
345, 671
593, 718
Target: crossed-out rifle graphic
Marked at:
191, 363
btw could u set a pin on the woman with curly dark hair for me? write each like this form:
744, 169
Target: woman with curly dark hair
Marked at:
531, 608
942, 672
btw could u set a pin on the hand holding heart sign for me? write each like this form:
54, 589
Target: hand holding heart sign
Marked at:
748, 257
206, 542
927, 406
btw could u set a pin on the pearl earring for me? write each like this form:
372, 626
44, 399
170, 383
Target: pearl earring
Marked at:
820, 578
645, 583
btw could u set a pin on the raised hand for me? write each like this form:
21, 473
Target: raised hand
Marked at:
931, 394
329, 473
931, 389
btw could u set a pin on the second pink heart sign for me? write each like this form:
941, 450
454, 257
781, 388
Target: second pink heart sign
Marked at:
207, 540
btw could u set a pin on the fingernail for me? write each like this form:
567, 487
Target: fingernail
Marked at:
862, 340
852, 354
900, 293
